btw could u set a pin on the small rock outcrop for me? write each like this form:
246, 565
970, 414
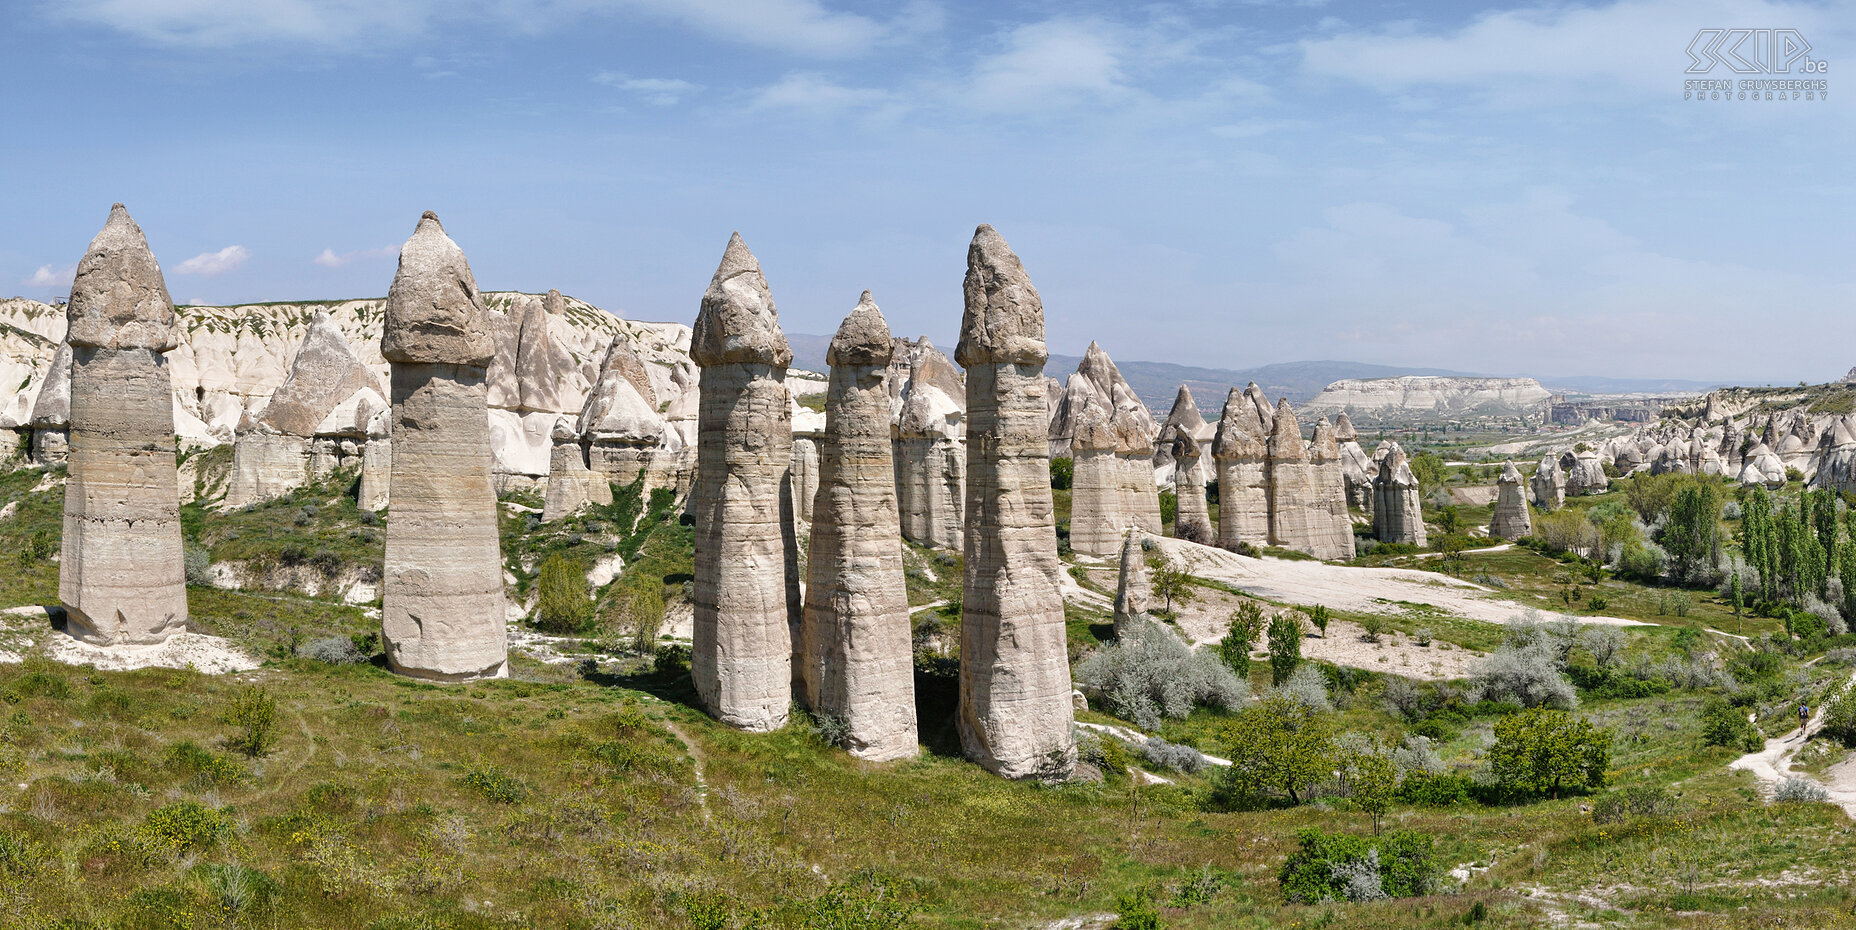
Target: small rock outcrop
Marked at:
1133, 592
1015, 714
858, 660
442, 606
120, 574
930, 446
1398, 513
1111, 443
51, 411
746, 585
619, 423
1243, 478
1511, 519
1356, 467
1585, 473
571, 484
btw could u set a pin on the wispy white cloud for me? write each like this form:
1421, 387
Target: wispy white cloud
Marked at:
818, 95
332, 259
213, 264
1547, 53
1052, 63
47, 276
660, 92
802, 27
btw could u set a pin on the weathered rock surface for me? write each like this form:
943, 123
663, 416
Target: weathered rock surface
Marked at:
1243, 475
1423, 395
1111, 437
858, 656
1300, 517
120, 574
1184, 439
1356, 467
1335, 540
571, 484
1763, 467
1585, 473
1548, 485
1398, 513
930, 445
442, 607
746, 586
1511, 519
802, 476
1133, 591
1015, 712
50, 420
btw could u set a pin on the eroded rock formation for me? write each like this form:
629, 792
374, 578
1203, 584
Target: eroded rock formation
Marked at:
120, 574
1185, 437
746, 590
930, 446
1111, 437
1548, 485
1335, 539
1511, 519
1243, 478
1356, 467
1015, 711
1398, 513
858, 664
1133, 592
442, 607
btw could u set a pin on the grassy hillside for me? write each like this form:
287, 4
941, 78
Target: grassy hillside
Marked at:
592, 794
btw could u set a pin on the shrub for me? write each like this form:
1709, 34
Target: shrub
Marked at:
1340, 866
1402, 698
1722, 724
563, 605
1840, 716
181, 827
636, 608
198, 565
1173, 756
1441, 790
254, 713
19, 855
1307, 687
1246, 625
1285, 646
496, 785
1318, 615
335, 650
1149, 674
1795, 790
1604, 643
1134, 910
1525, 675
1636, 801
1540, 751
203, 766
1374, 626
1062, 472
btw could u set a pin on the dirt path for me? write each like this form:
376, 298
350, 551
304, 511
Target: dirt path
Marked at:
689, 745
1773, 764
1352, 588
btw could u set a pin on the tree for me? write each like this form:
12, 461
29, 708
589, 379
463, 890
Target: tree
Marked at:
1540, 750
1318, 615
254, 713
1170, 580
1739, 598
1062, 472
1449, 522
1374, 783
1692, 536
1429, 470
1759, 539
564, 606
1280, 746
1285, 646
1246, 624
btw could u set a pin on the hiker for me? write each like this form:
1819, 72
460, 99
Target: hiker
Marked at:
1804, 715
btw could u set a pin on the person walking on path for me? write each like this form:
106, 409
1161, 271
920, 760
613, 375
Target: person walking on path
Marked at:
1804, 716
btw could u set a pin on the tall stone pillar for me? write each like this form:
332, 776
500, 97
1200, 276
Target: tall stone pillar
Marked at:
442, 608
121, 574
747, 597
1015, 714
1243, 478
858, 656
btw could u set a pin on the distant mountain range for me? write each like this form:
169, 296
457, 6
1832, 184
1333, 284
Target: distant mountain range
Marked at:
1158, 382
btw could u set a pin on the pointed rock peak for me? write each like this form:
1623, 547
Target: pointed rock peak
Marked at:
1323, 430
738, 323
1344, 431
1184, 417
863, 337
1003, 322
554, 304
1510, 475
435, 314
1286, 435
119, 299
1323, 448
1240, 432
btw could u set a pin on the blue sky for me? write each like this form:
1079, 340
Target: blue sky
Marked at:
1513, 189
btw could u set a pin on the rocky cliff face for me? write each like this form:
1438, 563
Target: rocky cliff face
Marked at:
1422, 397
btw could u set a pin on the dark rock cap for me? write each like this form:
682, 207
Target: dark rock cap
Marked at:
119, 299
1004, 318
434, 313
863, 337
738, 323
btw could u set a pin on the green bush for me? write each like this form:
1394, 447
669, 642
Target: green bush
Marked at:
1134, 910
564, 607
202, 766
1285, 646
1635, 801
1840, 717
1062, 472
1723, 724
1279, 750
496, 785
254, 713
1344, 867
182, 827
1445, 790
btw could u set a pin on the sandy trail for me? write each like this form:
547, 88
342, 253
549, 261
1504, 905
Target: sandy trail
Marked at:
1773, 764
1350, 588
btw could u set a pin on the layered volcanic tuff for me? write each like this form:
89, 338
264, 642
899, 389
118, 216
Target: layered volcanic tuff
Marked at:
1417, 397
